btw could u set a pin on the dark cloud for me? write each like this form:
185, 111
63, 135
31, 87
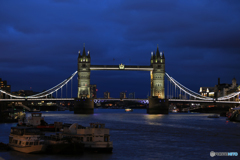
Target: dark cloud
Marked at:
39, 41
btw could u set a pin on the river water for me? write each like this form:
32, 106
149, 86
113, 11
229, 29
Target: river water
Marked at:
137, 135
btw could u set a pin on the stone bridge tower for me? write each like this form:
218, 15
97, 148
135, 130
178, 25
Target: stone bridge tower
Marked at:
84, 74
157, 75
158, 104
83, 104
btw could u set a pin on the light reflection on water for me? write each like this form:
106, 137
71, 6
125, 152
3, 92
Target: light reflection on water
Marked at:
137, 135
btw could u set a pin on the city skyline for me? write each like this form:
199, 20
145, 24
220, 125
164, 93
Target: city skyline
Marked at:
40, 42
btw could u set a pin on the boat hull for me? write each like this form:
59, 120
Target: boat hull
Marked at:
65, 148
99, 146
28, 149
100, 150
235, 118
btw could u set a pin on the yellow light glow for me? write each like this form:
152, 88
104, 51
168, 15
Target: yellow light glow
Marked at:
121, 66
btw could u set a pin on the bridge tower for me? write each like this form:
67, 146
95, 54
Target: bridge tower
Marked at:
83, 103
158, 104
157, 75
84, 74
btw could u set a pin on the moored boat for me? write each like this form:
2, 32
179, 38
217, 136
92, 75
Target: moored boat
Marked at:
26, 140
234, 114
36, 120
60, 144
95, 137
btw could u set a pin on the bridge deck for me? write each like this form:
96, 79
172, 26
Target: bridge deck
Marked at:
37, 99
116, 67
117, 99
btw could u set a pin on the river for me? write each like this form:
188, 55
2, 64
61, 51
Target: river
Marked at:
137, 135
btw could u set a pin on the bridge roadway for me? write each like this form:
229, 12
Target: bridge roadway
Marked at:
175, 100
118, 67
117, 99
37, 99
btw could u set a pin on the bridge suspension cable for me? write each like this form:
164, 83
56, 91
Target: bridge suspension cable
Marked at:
194, 94
185, 89
173, 90
227, 97
44, 93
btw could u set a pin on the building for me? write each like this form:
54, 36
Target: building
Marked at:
122, 95
207, 91
219, 90
93, 91
131, 95
107, 95
24, 93
4, 86
225, 89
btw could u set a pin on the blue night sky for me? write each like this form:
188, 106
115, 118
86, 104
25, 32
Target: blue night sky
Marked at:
40, 40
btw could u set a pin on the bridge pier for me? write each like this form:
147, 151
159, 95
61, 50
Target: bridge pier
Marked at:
83, 106
158, 106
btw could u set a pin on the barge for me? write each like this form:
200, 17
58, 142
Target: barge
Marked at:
95, 137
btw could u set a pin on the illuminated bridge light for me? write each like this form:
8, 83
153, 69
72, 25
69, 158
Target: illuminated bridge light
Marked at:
198, 97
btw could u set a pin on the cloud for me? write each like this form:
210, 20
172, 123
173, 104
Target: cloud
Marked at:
40, 39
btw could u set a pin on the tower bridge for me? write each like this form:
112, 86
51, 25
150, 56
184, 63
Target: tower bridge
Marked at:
85, 104
164, 88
